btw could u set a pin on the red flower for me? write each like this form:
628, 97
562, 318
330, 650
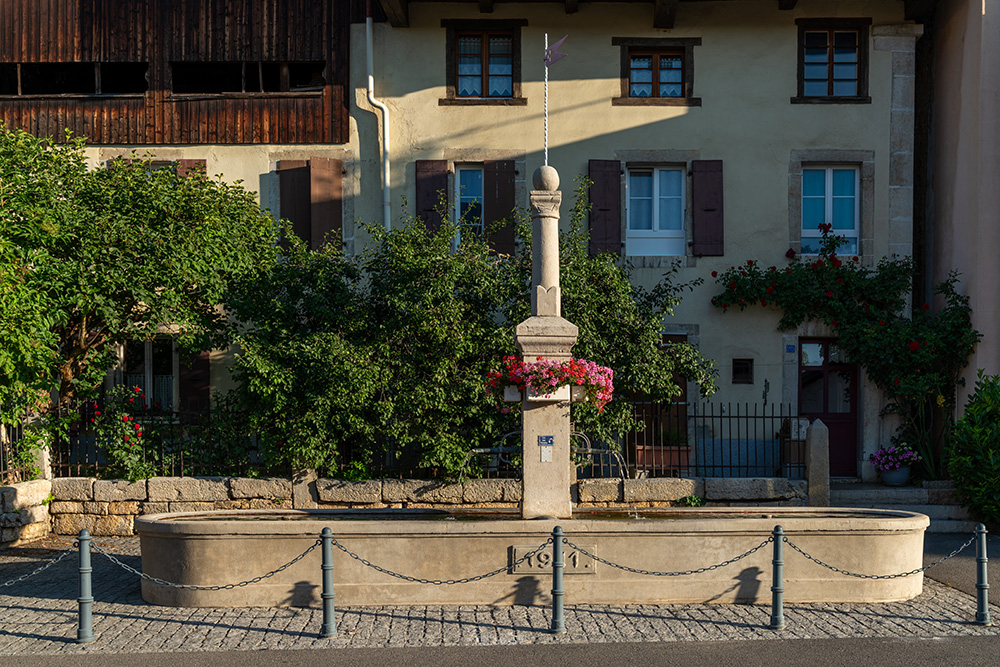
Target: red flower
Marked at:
836, 263
725, 305
126, 438
788, 270
763, 302
790, 253
829, 294
749, 262
868, 309
139, 434
926, 306
772, 268
834, 322
125, 418
715, 274
91, 420
854, 259
914, 346
713, 301
840, 281
98, 413
136, 389
895, 381
732, 285
824, 227
770, 290
881, 323
742, 302
143, 396
130, 400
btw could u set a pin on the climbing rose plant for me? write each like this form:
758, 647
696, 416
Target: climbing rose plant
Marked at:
915, 359
545, 375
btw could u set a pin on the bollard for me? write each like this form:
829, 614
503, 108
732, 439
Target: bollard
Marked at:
982, 582
558, 624
85, 629
329, 628
777, 582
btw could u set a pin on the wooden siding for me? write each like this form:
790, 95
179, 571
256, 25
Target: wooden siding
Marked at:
163, 31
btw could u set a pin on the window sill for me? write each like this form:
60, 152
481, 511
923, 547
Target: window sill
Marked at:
656, 101
483, 102
76, 96
860, 99
194, 97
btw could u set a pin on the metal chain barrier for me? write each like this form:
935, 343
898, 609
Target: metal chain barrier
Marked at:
44, 567
669, 574
879, 576
226, 587
443, 582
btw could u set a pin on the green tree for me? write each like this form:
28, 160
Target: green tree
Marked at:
99, 256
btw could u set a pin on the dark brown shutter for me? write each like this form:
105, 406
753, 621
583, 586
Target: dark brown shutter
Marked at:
605, 206
194, 383
706, 212
184, 167
432, 182
293, 189
326, 205
498, 203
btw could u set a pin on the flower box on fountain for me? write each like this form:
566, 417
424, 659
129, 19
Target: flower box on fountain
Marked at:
546, 380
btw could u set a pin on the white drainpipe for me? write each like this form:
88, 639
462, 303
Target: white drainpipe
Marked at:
386, 191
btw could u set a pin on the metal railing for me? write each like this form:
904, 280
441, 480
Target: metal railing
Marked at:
11, 471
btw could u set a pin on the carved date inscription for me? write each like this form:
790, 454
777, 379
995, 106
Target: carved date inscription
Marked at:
541, 563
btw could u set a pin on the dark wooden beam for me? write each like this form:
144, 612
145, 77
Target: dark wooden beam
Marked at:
397, 11
916, 10
572, 6
787, 4
485, 6
664, 13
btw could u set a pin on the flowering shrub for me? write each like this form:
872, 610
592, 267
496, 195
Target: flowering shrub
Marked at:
545, 375
893, 457
915, 359
119, 425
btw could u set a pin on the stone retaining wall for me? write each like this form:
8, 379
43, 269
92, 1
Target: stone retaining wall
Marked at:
109, 507
24, 512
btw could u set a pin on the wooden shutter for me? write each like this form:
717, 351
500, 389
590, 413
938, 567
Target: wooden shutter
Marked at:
311, 193
605, 206
325, 201
185, 167
498, 203
194, 384
293, 189
432, 181
706, 211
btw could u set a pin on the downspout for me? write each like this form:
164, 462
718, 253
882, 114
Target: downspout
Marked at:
369, 50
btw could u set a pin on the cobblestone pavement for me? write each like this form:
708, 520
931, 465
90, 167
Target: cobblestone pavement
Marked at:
39, 615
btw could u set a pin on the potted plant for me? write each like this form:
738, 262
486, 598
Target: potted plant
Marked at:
893, 463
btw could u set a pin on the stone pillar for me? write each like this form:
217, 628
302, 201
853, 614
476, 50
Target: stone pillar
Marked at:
818, 464
547, 469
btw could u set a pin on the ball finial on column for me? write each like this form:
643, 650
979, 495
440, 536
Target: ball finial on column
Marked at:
545, 178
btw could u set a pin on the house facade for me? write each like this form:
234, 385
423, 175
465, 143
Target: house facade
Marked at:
713, 132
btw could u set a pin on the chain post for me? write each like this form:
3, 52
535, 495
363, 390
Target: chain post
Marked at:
85, 629
982, 582
558, 623
777, 581
329, 628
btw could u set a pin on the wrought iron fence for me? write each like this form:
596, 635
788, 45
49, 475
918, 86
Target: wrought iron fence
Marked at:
707, 440
11, 470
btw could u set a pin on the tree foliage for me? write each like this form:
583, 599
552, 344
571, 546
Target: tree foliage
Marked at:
355, 363
93, 257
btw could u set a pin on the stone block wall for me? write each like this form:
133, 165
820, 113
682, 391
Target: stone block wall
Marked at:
715, 492
24, 512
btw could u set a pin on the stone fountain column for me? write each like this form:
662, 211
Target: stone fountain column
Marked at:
547, 469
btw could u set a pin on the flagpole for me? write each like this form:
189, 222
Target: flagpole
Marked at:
545, 114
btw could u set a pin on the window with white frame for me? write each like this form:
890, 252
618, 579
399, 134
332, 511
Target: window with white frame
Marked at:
468, 200
656, 207
151, 366
830, 195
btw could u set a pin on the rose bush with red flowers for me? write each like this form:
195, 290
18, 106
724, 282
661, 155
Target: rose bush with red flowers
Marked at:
914, 358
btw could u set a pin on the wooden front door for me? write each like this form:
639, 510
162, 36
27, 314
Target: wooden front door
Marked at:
828, 390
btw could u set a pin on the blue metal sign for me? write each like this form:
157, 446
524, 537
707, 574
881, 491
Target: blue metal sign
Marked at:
546, 441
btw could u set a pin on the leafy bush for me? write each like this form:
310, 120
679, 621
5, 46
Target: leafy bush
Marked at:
973, 455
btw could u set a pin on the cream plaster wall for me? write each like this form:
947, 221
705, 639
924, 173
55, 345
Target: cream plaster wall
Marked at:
967, 164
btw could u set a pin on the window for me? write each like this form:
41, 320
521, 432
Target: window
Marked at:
830, 196
833, 61
483, 63
742, 371
657, 71
655, 211
215, 78
468, 200
150, 365
73, 78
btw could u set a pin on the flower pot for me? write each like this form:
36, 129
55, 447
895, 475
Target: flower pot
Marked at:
560, 393
897, 477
